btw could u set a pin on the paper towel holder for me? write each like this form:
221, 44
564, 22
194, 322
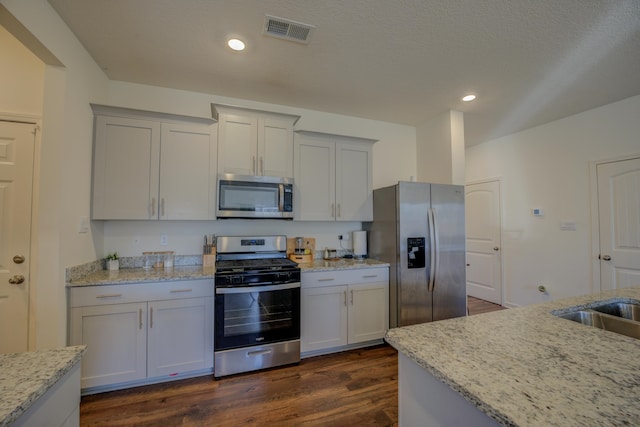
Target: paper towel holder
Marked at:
359, 240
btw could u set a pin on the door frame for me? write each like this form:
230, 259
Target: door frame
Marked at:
35, 187
596, 285
497, 179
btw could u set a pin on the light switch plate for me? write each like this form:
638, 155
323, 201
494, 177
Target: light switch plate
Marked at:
83, 225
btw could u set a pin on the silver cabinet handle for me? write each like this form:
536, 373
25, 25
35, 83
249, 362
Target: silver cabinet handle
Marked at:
351, 296
338, 216
333, 210
150, 317
175, 291
345, 298
162, 206
253, 165
329, 279
153, 207
261, 166
140, 319
369, 276
109, 296
17, 279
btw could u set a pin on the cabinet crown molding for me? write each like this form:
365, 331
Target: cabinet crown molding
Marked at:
216, 109
115, 111
334, 135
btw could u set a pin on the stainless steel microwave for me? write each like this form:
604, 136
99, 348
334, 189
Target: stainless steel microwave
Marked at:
248, 196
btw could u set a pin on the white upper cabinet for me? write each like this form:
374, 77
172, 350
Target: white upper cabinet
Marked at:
333, 177
254, 142
153, 165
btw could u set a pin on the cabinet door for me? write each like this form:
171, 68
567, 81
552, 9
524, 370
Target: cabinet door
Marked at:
126, 168
314, 175
238, 141
368, 311
180, 336
116, 340
275, 146
323, 320
354, 182
187, 172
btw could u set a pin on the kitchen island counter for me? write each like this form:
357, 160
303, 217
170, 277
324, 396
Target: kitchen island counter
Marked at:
528, 367
27, 377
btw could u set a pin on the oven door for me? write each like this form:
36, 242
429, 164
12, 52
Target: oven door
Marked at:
256, 315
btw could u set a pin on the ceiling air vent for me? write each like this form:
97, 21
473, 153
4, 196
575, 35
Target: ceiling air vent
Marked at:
287, 29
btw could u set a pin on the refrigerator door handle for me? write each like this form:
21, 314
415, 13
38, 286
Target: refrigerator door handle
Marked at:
432, 249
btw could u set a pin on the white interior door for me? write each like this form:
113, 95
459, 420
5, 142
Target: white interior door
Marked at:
619, 217
17, 142
484, 259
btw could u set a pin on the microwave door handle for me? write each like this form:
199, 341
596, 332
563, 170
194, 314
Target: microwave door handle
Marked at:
281, 198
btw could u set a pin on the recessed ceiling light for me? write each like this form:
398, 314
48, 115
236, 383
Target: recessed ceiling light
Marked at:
236, 44
468, 98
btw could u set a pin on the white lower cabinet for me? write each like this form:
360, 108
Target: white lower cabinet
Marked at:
340, 308
145, 331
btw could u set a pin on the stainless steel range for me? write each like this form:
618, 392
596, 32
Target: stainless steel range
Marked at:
257, 305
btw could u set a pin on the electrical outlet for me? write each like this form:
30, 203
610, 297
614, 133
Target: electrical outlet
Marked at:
164, 240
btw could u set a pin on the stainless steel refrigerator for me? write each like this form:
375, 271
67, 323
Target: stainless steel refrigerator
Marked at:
418, 228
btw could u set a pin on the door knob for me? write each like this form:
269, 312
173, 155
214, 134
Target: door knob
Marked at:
18, 259
606, 257
495, 248
17, 279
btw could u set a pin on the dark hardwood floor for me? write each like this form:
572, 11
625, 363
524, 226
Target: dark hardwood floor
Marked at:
352, 388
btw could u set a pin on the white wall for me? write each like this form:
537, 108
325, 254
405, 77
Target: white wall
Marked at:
64, 174
393, 157
548, 167
21, 78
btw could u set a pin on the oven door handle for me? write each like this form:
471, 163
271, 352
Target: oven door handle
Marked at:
251, 289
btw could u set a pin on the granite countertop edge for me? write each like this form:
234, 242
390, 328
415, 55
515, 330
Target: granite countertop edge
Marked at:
511, 379
195, 272
28, 376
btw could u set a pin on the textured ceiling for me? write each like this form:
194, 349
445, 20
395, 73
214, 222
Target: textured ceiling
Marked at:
402, 61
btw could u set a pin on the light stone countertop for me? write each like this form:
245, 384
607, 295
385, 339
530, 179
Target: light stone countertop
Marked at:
193, 272
25, 377
527, 367
340, 264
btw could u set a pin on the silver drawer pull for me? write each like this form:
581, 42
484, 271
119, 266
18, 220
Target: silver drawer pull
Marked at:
369, 276
326, 280
109, 296
175, 291
259, 352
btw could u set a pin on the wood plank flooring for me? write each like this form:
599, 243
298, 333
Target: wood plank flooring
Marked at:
352, 388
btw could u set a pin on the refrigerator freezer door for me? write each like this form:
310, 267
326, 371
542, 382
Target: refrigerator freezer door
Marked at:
449, 294
414, 298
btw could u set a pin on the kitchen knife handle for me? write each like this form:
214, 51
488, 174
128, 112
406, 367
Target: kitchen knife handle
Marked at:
432, 250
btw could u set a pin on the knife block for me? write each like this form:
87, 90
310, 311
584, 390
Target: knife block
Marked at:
209, 260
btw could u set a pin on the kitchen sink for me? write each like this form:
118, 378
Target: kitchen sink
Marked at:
620, 309
619, 323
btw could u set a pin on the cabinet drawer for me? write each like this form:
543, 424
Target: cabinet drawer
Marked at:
343, 277
139, 292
